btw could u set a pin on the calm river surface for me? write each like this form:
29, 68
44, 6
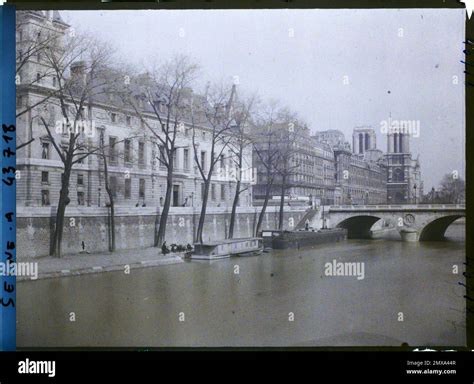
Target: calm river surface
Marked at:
218, 307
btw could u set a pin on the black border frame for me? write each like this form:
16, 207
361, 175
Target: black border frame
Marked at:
308, 4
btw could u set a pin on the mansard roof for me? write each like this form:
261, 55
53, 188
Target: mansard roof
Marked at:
108, 80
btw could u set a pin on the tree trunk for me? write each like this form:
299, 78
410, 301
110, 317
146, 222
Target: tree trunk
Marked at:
160, 238
202, 218
112, 207
234, 210
264, 208
63, 202
112, 226
112, 221
282, 202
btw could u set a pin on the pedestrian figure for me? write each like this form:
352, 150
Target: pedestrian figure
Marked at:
83, 248
164, 249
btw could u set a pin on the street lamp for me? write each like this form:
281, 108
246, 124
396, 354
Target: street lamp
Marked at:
324, 218
414, 187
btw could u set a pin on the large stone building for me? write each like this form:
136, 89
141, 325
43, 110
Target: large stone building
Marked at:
361, 177
329, 172
360, 174
136, 175
368, 176
314, 175
311, 176
365, 175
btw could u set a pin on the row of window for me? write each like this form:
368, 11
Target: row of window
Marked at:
214, 191
46, 151
45, 201
45, 178
80, 194
113, 184
128, 154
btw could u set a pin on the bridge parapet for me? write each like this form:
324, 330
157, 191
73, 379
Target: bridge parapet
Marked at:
404, 208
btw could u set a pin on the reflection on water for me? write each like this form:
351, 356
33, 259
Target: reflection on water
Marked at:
254, 307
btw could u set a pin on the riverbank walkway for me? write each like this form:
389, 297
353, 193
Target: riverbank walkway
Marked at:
83, 263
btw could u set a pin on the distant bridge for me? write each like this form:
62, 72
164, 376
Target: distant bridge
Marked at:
424, 222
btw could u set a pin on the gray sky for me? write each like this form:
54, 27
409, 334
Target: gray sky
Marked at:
396, 61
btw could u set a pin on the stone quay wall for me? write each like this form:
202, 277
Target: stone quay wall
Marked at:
134, 227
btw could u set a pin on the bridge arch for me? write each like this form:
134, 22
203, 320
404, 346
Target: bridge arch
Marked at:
358, 227
435, 229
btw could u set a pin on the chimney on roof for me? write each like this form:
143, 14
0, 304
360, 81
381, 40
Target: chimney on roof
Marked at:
78, 71
78, 68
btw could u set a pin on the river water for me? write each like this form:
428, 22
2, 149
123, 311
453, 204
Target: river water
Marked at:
409, 294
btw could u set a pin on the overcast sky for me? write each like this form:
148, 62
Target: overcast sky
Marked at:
402, 62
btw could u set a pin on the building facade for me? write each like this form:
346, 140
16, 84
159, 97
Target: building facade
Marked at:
328, 171
136, 175
313, 175
361, 181
361, 175
310, 179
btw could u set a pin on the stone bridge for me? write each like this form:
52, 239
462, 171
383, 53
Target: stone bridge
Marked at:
422, 222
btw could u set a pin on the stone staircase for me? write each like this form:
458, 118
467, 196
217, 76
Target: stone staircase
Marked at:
310, 213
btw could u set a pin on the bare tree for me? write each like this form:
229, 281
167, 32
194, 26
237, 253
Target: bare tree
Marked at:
164, 93
212, 115
452, 189
82, 74
106, 154
240, 142
266, 151
110, 193
287, 136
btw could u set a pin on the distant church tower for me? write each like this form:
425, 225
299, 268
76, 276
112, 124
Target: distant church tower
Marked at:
398, 142
363, 139
404, 185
